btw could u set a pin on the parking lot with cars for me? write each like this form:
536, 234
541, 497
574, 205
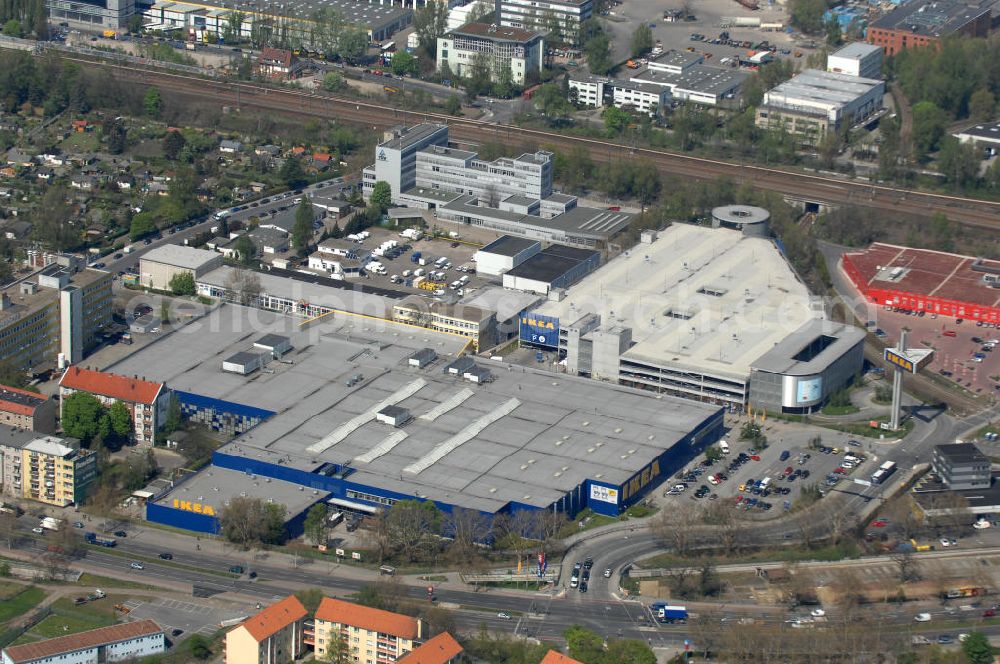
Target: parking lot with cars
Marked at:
768, 481
445, 265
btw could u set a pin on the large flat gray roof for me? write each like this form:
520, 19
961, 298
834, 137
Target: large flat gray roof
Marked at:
528, 437
781, 359
180, 256
216, 486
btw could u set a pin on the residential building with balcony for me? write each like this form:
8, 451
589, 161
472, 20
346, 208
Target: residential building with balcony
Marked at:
27, 410
147, 401
370, 636
273, 636
12, 442
56, 471
442, 649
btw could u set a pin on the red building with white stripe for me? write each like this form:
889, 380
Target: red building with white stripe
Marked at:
923, 280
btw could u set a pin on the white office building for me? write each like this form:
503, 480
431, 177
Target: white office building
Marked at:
462, 172
697, 83
504, 47
641, 97
817, 102
396, 156
857, 59
536, 15
589, 90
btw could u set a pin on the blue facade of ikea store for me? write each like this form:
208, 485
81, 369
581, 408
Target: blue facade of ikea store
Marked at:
204, 523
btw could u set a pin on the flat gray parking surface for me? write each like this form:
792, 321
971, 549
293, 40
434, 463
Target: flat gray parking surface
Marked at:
173, 614
781, 437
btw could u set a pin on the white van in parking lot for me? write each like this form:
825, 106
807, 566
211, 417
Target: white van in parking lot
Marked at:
724, 446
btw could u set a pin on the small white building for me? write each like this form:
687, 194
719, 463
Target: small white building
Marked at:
520, 50
857, 59
589, 90
504, 254
642, 97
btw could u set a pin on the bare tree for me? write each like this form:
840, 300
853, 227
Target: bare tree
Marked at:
413, 526
8, 528
676, 527
467, 528
491, 197
378, 535
906, 565
727, 526
243, 286
511, 531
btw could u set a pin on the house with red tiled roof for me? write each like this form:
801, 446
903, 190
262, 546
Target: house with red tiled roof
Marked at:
274, 63
369, 635
275, 635
556, 657
117, 643
27, 410
442, 649
146, 400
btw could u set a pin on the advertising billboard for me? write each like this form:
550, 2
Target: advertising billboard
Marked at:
809, 390
605, 494
540, 330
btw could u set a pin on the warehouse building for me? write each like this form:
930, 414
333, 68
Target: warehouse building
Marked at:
799, 374
986, 134
815, 103
478, 435
519, 51
551, 269
504, 254
686, 313
158, 266
924, 280
700, 84
856, 59
925, 22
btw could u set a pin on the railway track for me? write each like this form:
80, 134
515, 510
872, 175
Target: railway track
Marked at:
801, 186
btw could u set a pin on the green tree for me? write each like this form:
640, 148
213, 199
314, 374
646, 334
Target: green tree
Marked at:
430, 22
152, 103
381, 196
413, 526
404, 64
628, 651
551, 103
598, 51
977, 649
84, 417
929, 123
315, 523
453, 105
135, 24
982, 105
115, 135
834, 35
291, 173
142, 225
584, 645
302, 231
174, 415
173, 143
249, 522
12, 28
333, 81
958, 162
807, 15
182, 283
121, 419
198, 647
245, 249
615, 119
642, 40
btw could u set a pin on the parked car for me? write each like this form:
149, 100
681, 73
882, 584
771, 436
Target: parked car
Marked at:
503, 615
922, 617
135, 565
167, 556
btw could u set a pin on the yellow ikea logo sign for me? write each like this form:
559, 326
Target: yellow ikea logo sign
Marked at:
197, 508
542, 324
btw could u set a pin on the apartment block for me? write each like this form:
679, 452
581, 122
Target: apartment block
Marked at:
273, 636
27, 410
442, 649
56, 471
52, 310
147, 401
370, 636
12, 442
501, 48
